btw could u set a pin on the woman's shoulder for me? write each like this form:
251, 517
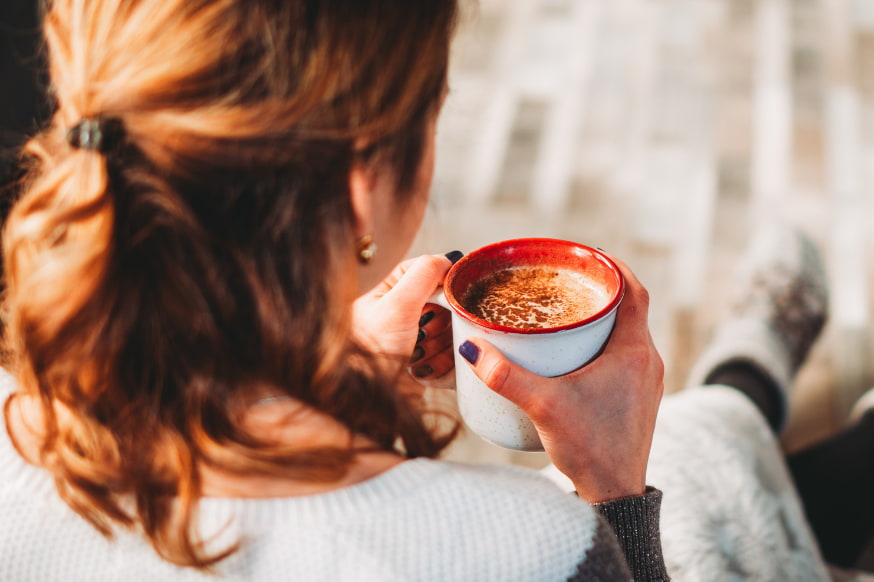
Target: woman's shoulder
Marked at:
511, 513
431, 494
441, 518
17, 477
505, 490
496, 478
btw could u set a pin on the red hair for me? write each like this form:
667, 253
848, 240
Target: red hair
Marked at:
209, 251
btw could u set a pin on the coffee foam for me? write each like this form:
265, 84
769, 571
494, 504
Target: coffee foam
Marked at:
535, 297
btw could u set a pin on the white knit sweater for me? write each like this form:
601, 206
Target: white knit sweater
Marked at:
423, 520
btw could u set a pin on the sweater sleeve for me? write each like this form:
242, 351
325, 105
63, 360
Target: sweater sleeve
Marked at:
635, 520
604, 561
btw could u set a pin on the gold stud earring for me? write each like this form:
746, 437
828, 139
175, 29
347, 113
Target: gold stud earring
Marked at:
366, 249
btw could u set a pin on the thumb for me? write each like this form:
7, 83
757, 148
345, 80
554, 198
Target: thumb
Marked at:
507, 378
419, 279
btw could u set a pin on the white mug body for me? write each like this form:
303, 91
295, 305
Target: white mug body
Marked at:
493, 417
553, 351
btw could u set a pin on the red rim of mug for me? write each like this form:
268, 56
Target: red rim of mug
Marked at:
553, 252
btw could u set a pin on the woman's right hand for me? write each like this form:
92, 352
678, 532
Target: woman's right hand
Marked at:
394, 319
596, 423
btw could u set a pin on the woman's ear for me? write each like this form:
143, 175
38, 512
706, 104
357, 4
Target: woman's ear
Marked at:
361, 190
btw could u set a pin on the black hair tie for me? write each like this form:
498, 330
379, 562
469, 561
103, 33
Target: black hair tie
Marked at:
100, 134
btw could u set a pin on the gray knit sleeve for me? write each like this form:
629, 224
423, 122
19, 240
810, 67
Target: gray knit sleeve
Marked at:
635, 521
604, 561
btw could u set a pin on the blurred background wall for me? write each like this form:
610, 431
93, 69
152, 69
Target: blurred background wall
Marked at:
666, 132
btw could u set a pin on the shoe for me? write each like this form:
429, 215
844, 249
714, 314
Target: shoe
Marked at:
779, 310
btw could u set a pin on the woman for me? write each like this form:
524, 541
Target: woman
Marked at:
196, 389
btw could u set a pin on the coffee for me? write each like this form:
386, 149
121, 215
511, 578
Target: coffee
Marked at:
548, 305
534, 297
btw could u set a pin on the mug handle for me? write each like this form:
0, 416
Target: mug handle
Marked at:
438, 298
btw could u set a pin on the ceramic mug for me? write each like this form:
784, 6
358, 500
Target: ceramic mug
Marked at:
548, 351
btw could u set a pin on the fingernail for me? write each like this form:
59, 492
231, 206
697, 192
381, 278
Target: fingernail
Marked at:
421, 335
453, 256
423, 371
426, 318
418, 354
469, 352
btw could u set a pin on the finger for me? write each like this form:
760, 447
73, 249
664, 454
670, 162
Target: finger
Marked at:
391, 280
429, 344
436, 353
418, 280
441, 382
428, 328
434, 321
433, 367
441, 363
513, 382
633, 314
630, 342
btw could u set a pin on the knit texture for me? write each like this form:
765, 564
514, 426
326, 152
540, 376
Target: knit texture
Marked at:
423, 520
600, 565
779, 307
635, 521
730, 512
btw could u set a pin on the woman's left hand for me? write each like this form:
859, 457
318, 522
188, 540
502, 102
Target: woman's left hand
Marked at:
395, 318
596, 423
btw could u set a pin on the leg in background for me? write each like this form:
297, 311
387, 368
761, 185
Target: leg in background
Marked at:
835, 479
756, 385
779, 307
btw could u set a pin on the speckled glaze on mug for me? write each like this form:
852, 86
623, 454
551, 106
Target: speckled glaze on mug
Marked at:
548, 351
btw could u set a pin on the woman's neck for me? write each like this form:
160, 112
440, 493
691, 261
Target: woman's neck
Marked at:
283, 420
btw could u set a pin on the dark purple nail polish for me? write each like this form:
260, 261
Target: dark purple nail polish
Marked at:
426, 318
469, 352
418, 354
423, 371
453, 256
421, 336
